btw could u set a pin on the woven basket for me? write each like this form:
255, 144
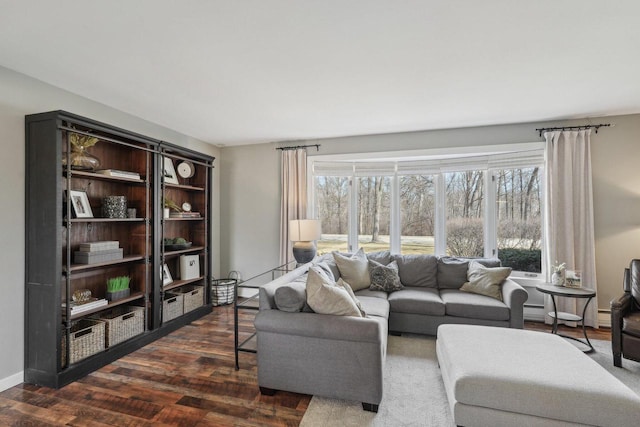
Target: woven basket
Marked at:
122, 323
222, 291
172, 306
86, 339
193, 297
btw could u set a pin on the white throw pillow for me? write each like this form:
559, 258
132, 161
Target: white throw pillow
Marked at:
347, 288
354, 270
485, 281
325, 297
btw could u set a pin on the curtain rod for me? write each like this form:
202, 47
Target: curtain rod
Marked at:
295, 147
596, 127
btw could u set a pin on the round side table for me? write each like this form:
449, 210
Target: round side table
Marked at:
562, 291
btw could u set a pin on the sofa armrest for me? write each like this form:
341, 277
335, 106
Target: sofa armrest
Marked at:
514, 296
314, 325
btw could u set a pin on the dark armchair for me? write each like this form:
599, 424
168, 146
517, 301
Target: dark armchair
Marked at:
625, 318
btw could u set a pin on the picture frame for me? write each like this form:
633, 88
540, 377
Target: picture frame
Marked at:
166, 275
80, 203
169, 172
573, 279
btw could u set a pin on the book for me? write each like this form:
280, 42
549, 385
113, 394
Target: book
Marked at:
119, 173
91, 257
99, 246
184, 215
81, 307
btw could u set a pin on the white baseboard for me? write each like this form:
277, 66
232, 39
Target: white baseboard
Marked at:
10, 381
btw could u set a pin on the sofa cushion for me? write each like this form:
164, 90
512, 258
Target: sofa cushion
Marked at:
473, 306
382, 257
326, 269
631, 324
292, 297
384, 277
417, 300
354, 269
452, 272
375, 306
326, 297
417, 270
485, 281
369, 293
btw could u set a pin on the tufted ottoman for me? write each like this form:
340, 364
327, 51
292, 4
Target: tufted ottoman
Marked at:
510, 377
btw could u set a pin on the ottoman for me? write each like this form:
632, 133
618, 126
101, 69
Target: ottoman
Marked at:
510, 377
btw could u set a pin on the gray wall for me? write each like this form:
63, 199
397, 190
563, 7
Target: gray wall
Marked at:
251, 193
22, 95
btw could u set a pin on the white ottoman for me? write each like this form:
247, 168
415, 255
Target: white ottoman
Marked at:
511, 377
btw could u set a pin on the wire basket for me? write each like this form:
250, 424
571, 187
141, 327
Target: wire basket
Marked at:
223, 291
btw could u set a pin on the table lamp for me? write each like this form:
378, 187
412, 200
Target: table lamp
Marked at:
303, 232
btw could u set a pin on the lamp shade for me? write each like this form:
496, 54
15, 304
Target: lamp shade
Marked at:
304, 230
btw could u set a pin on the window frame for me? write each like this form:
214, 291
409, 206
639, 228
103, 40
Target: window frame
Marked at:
354, 161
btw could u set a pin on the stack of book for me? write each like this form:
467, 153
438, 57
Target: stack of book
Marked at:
184, 214
119, 174
93, 252
81, 307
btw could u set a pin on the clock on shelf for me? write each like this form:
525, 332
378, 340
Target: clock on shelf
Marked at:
186, 207
186, 169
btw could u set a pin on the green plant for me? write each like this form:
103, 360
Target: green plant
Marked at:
119, 283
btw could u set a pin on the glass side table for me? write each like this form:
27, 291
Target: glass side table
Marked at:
563, 291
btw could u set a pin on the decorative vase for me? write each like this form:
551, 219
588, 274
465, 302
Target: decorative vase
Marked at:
557, 279
81, 159
114, 207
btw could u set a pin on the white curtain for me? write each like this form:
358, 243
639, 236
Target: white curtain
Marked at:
569, 235
294, 196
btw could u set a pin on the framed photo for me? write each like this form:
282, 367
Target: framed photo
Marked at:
573, 279
80, 203
169, 172
166, 275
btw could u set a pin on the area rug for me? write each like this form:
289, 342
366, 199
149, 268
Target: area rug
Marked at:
414, 393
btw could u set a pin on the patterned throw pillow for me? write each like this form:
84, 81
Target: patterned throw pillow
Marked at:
384, 277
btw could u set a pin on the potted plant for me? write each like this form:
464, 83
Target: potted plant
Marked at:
557, 278
118, 288
168, 205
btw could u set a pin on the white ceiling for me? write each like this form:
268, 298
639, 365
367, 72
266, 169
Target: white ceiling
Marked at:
249, 71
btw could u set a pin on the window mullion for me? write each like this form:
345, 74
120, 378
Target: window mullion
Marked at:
353, 214
440, 229
490, 231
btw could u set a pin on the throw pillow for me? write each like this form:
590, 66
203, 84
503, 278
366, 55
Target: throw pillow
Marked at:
326, 269
292, 297
354, 269
347, 288
325, 297
452, 272
485, 280
418, 270
384, 277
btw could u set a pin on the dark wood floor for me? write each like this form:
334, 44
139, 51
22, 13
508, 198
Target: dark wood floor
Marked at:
187, 378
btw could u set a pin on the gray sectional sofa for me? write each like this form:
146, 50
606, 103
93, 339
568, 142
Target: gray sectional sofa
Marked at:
342, 356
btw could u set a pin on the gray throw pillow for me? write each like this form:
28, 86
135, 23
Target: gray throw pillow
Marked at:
324, 266
292, 297
354, 269
384, 277
383, 257
485, 281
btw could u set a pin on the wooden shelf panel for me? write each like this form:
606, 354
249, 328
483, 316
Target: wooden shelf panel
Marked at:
184, 219
93, 175
183, 251
184, 187
112, 304
87, 220
178, 283
126, 259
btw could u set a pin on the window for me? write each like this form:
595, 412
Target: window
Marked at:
466, 205
417, 214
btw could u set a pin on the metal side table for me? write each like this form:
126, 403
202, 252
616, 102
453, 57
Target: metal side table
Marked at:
562, 291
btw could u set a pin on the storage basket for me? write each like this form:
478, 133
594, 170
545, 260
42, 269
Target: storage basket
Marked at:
172, 306
193, 297
122, 323
86, 339
223, 291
